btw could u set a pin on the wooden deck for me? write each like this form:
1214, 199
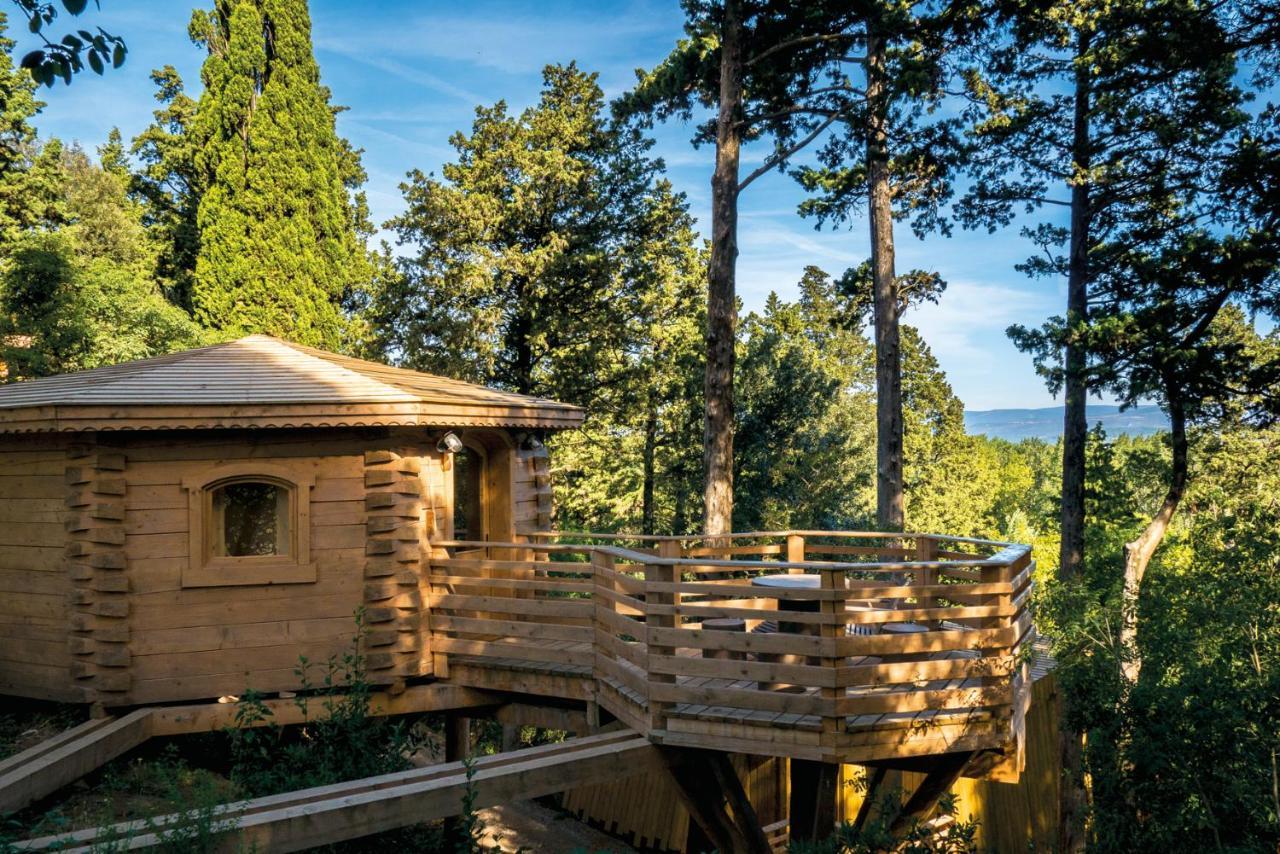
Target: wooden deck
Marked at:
628, 629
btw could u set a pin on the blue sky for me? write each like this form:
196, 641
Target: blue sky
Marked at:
413, 72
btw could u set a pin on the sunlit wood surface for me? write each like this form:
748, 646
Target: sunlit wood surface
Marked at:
911, 645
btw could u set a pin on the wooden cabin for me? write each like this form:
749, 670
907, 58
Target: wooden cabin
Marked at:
187, 526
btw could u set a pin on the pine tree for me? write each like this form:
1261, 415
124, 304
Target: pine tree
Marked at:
278, 248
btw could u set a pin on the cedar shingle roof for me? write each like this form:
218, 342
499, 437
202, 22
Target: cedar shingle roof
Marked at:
259, 381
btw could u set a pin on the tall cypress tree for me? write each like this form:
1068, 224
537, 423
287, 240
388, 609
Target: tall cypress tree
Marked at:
278, 248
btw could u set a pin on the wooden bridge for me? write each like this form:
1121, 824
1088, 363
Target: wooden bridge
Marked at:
834, 647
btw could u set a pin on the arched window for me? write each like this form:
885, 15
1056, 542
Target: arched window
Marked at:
251, 518
249, 524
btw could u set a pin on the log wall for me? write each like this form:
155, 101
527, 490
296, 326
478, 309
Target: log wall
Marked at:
35, 659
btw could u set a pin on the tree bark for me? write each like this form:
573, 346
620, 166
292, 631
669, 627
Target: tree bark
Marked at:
1137, 554
722, 310
648, 511
1075, 431
890, 513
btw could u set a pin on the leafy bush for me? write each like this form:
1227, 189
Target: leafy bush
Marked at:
346, 742
944, 834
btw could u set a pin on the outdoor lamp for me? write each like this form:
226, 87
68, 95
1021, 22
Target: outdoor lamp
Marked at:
449, 443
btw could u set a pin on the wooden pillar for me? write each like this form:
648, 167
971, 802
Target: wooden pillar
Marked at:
795, 552
664, 573
927, 551
457, 736
710, 790
813, 799
393, 569
457, 746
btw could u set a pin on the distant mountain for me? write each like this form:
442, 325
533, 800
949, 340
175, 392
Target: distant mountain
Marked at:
1046, 423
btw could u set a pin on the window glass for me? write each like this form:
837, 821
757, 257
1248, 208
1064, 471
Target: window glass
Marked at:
468, 507
250, 519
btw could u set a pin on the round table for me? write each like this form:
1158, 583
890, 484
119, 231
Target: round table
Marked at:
798, 606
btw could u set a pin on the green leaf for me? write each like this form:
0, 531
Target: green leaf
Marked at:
32, 60
72, 42
75, 7
95, 62
117, 55
34, 23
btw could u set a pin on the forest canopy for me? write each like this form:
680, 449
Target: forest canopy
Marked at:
1134, 143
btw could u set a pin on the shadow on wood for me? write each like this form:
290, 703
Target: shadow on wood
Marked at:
710, 790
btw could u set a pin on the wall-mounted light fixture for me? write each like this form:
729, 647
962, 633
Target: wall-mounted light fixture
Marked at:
530, 442
449, 443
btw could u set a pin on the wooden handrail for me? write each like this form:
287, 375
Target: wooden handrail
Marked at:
643, 612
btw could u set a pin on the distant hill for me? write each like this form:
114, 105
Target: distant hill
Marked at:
1046, 423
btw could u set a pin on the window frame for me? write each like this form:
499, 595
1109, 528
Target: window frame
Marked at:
204, 569
480, 458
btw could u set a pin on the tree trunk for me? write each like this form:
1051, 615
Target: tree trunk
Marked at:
722, 310
1137, 554
648, 511
1075, 431
889, 496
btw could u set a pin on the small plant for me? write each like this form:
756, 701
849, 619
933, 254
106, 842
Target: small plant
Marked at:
344, 742
944, 834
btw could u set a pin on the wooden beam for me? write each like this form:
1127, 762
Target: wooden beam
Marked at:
43, 769
209, 717
874, 785
710, 790
297, 821
64, 758
813, 799
544, 717
946, 770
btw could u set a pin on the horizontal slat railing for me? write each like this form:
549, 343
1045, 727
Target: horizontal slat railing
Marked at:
901, 629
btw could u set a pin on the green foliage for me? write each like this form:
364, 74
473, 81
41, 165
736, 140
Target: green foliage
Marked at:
806, 409
806, 443
67, 55
1184, 758
80, 296
169, 186
943, 834
344, 743
27, 187
552, 259
278, 250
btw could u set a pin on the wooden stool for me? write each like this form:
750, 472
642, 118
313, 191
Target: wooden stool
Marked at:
724, 624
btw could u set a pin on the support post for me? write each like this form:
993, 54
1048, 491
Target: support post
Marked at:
795, 552
663, 573
927, 552
813, 800
938, 780
874, 785
710, 790
457, 746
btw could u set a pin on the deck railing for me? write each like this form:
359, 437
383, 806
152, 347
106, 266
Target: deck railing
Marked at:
686, 643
